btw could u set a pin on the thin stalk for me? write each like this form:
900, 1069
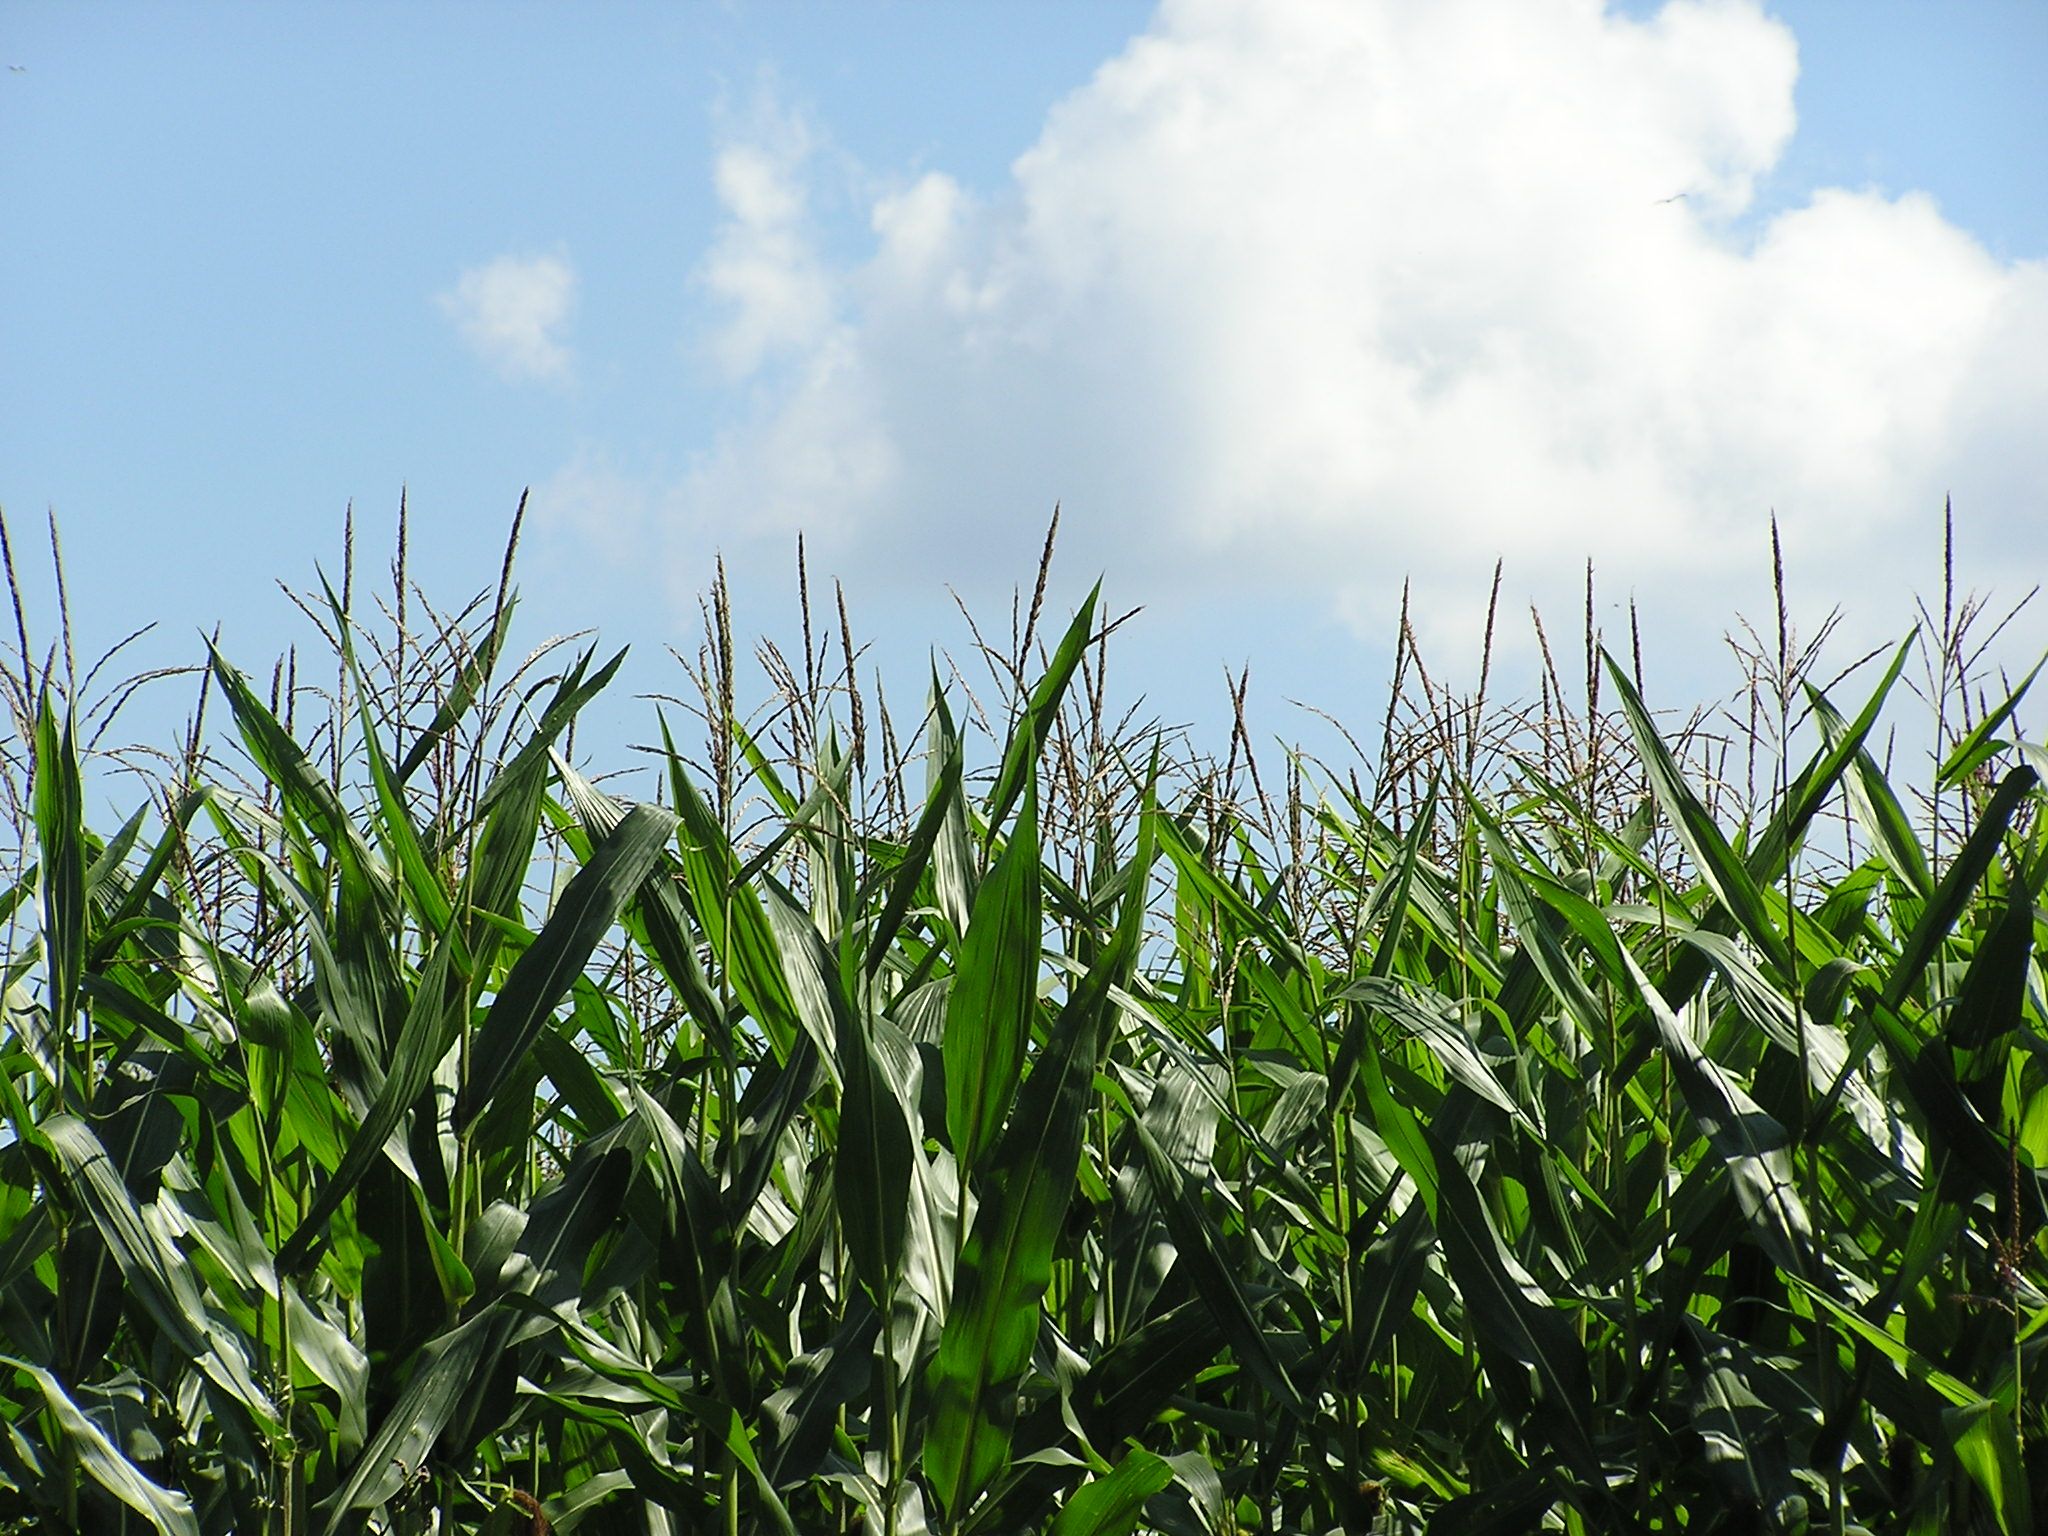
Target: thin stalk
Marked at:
892, 1411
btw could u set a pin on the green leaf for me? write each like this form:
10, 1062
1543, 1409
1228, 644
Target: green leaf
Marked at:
1952, 897
356, 946
304, 788
1911, 1364
1521, 889
1726, 875
1433, 1020
655, 918
1811, 790
501, 862
168, 1510
871, 1172
60, 876
1742, 1439
1752, 1147
1926, 1073
1884, 820
543, 974
1188, 860
1974, 748
739, 1440
129, 907
443, 1374
400, 835
1110, 1506
1356, 1049
871, 1166
696, 1245
1020, 758
1987, 1443
954, 874
1990, 1005
1396, 1123
1005, 1267
821, 813
162, 1283
469, 682
810, 972
527, 767
1195, 1237
995, 994
1534, 1360
429, 1030
942, 802
731, 915
1181, 1115
1007, 1262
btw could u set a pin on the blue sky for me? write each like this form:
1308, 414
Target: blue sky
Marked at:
1284, 303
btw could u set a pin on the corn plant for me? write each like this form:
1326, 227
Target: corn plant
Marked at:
1021, 1121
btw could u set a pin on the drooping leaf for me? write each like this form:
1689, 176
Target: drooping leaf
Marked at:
1534, 1362
160, 1281
443, 1374
168, 1510
1193, 1235
1429, 1019
1742, 1439
1752, 1147
1884, 820
1726, 874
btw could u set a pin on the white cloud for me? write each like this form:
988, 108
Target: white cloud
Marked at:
512, 312
762, 267
596, 508
1315, 295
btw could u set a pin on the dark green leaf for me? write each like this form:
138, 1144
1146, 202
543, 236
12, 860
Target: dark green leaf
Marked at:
60, 879
429, 1029
1534, 1361
1726, 875
1110, 1506
1020, 758
1750, 1144
995, 994
542, 976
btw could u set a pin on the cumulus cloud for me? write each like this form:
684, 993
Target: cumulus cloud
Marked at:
1307, 297
762, 268
512, 312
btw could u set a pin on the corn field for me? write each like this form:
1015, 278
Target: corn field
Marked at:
1003, 1117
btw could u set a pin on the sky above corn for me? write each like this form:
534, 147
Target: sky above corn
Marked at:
1285, 304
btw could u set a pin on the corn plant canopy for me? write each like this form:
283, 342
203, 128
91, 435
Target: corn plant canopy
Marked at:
1014, 1119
